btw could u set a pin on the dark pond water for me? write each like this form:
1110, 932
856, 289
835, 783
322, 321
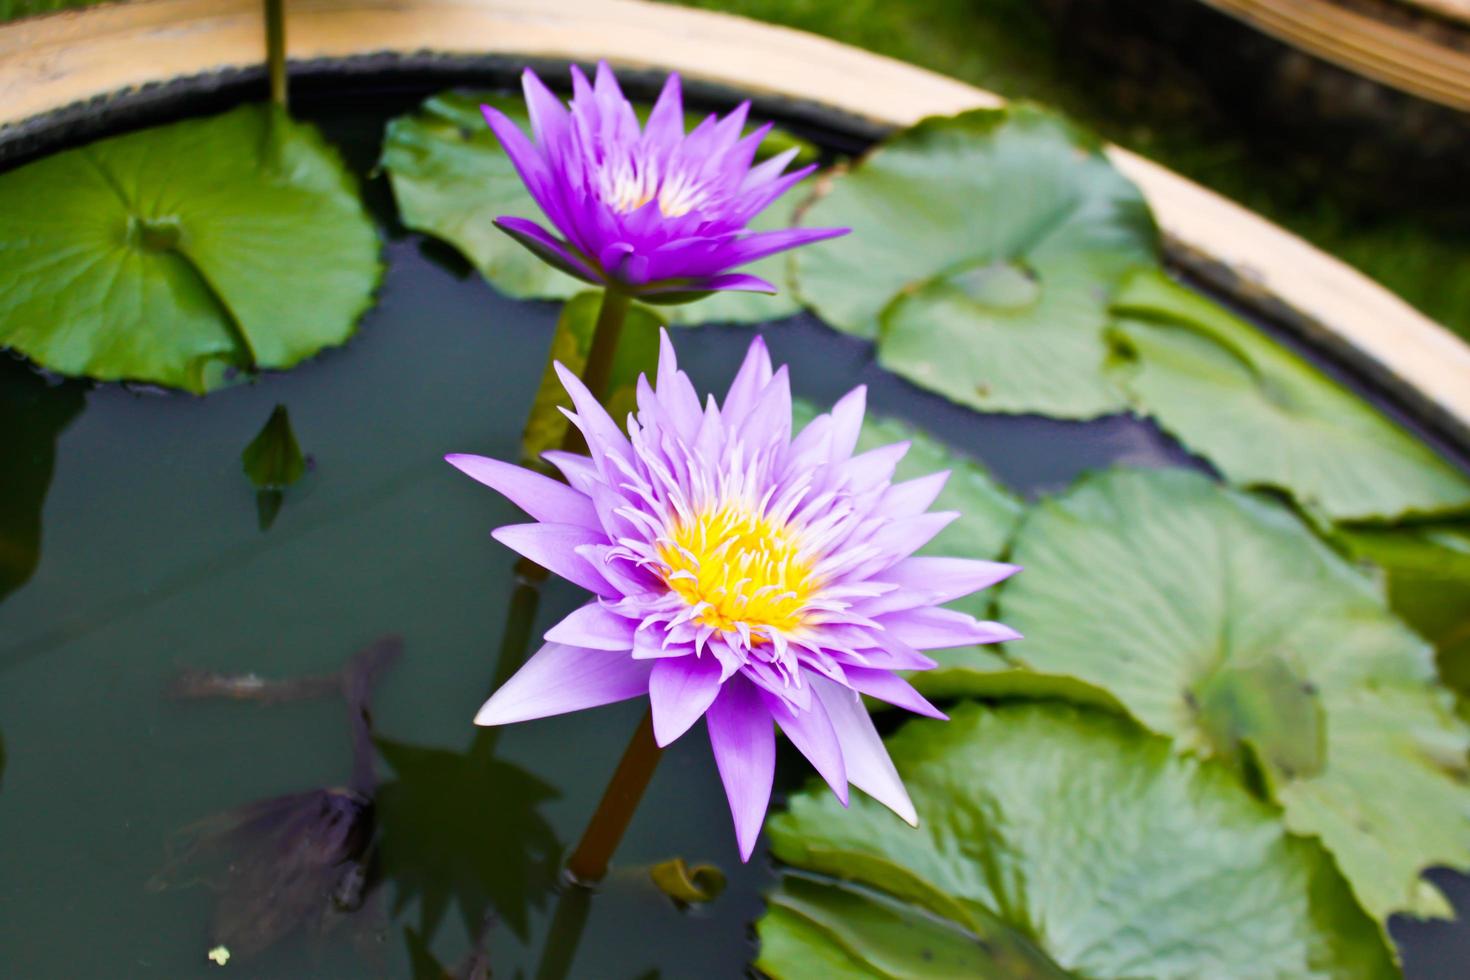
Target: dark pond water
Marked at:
152, 562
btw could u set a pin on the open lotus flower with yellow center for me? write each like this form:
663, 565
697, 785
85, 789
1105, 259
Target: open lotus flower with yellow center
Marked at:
742, 574
650, 210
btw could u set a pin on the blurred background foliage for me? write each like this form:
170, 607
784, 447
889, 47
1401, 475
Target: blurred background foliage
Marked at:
1166, 113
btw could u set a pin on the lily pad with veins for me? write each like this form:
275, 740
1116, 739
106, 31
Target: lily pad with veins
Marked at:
1053, 842
174, 254
1267, 417
1218, 619
984, 251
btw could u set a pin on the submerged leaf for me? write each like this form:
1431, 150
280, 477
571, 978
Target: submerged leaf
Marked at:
273, 461
451, 179
1218, 619
274, 458
1056, 841
637, 354
33, 415
1267, 417
174, 254
1428, 575
984, 250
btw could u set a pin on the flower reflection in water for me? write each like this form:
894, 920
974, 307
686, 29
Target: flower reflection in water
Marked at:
298, 860
449, 829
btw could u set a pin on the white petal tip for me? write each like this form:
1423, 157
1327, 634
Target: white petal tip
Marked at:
488, 716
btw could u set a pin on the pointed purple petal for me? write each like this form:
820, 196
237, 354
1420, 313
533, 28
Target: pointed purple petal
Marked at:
945, 579
868, 766
680, 690
812, 733
847, 423
942, 629
595, 627
547, 247
888, 686
744, 741
764, 243
666, 122
754, 374
913, 497
738, 282
543, 498
549, 117
602, 433
559, 679
554, 548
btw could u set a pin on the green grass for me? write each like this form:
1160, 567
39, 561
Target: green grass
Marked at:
1007, 46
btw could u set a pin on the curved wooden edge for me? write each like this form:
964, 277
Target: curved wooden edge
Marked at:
1364, 45
68, 58
1448, 9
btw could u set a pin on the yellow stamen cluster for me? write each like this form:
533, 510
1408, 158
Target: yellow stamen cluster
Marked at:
745, 567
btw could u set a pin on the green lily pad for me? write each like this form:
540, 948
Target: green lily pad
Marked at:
1267, 417
1063, 842
1427, 567
174, 254
452, 180
988, 514
637, 353
984, 250
1218, 619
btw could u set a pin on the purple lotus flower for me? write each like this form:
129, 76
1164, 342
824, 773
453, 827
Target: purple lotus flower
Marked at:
654, 212
740, 574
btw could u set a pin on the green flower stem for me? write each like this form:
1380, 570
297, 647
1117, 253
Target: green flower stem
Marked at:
588, 863
275, 49
562, 938
605, 338
600, 356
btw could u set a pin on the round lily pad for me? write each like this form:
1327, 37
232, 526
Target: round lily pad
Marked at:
1267, 417
173, 254
1218, 619
1053, 842
984, 250
451, 179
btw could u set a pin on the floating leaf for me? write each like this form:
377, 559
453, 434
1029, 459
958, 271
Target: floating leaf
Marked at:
1267, 417
816, 927
173, 254
452, 180
33, 414
637, 354
1218, 619
1062, 842
1428, 574
685, 885
984, 250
